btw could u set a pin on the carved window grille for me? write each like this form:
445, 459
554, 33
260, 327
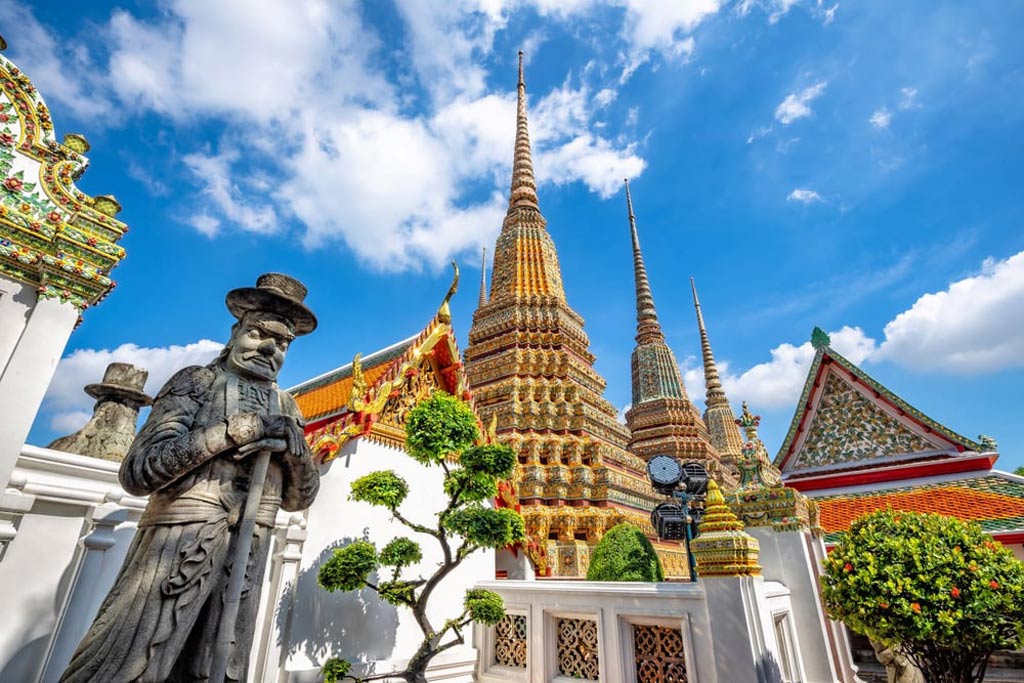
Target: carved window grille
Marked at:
577, 649
658, 652
510, 641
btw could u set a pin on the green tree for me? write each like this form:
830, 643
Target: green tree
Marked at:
625, 554
440, 432
1019, 471
938, 588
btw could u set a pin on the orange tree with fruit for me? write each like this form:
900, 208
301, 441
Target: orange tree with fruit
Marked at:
937, 588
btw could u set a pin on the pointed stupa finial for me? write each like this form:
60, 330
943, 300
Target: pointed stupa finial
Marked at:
712, 383
483, 277
524, 187
647, 326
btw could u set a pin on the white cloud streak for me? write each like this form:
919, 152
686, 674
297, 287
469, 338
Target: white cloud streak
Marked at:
797, 105
804, 196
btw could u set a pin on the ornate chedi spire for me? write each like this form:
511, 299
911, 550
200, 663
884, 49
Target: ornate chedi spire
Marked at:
718, 416
661, 419
528, 363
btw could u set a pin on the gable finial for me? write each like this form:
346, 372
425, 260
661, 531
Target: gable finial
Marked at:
820, 339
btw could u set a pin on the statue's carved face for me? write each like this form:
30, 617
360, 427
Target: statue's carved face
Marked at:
259, 344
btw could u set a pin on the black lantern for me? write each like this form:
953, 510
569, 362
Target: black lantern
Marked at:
695, 478
669, 521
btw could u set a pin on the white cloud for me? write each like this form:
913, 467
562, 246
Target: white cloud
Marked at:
881, 118
777, 383
975, 325
909, 99
662, 24
216, 176
59, 70
69, 407
804, 196
797, 105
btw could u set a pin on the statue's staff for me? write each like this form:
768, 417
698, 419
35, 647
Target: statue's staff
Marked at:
239, 563
226, 629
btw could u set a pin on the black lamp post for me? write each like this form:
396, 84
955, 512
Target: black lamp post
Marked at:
678, 520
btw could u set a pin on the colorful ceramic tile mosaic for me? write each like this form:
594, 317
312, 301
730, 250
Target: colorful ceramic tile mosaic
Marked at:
723, 548
52, 235
848, 427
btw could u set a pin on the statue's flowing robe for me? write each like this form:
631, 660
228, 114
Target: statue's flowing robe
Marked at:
160, 619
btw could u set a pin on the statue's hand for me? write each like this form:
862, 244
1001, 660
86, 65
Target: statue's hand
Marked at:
286, 428
269, 444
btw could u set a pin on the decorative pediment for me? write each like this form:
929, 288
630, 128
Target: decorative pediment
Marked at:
849, 426
846, 420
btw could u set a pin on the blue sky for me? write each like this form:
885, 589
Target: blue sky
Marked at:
854, 166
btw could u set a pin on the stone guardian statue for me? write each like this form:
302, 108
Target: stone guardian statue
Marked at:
194, 458
111, 430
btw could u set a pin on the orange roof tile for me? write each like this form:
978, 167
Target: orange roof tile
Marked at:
333, 397
997, 503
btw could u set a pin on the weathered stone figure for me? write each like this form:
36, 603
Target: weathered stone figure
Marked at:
111, 430
192, 457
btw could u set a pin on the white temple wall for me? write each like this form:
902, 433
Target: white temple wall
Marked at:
786, 558
359, 626
16, 302
28, 370
615, 608
63, 551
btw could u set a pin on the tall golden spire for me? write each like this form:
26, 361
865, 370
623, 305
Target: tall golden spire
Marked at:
524, 187
719, 417
530, 369
648, 329
661, 419
483, 277
713, 385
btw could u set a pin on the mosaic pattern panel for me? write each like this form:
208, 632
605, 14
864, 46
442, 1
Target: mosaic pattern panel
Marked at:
848, 427
577, 649
658, 651
510, 641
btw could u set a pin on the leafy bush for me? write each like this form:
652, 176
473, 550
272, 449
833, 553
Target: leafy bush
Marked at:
439, 427
440, 431
939, 588
625, 554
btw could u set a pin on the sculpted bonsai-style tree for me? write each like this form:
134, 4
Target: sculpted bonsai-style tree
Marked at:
625, 554
440, 432
938, 589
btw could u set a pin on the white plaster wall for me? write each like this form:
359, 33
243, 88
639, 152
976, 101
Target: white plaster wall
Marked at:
615, 606
27, 375
40, 563
785, 558
359, 626
16, 302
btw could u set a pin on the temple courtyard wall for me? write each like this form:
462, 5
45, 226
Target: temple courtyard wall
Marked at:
62, 553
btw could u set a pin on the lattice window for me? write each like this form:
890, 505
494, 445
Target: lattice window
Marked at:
658, 651
577, 649
510, 641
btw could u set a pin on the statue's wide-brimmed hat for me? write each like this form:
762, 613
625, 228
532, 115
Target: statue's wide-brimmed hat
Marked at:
274, 293
121, 380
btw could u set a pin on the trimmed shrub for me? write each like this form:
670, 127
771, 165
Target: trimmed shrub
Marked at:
625, 554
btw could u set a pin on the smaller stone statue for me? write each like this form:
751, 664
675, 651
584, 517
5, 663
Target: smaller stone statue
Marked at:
110, 431
898, 668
